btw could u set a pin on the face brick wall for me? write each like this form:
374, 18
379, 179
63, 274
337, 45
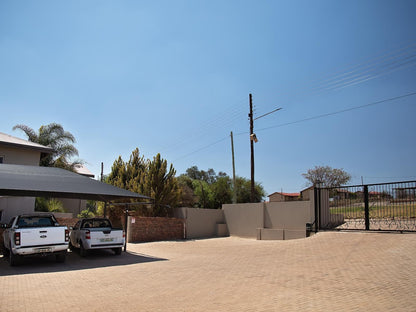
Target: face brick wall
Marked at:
145, 229
67, 221
154, 229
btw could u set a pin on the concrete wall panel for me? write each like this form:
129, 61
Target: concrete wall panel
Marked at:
285, 215
201, 223
244, 219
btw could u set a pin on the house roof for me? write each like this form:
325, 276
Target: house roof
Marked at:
286, 194
8, 140
81, 169
308, 188
375, 193
33, 181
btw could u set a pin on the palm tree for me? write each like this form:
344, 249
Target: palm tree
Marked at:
55, 137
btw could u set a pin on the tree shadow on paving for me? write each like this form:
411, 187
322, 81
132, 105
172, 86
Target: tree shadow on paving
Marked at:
95, 259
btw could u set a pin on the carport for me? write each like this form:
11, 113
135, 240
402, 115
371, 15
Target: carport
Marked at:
35, 181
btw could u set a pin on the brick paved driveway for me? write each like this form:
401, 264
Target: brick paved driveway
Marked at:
326, 272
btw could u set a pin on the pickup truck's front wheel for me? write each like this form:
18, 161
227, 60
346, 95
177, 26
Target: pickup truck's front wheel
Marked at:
13, 259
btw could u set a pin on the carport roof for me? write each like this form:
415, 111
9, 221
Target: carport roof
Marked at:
34, 181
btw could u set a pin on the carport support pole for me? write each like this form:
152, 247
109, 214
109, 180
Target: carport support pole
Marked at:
126, 226
105, 208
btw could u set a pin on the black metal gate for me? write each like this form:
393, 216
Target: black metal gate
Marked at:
379, 207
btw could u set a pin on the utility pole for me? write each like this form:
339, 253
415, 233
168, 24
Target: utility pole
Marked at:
234, 184
250, 115
253, 139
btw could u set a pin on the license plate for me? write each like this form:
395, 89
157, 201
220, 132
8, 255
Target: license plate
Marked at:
43, 250
106, 239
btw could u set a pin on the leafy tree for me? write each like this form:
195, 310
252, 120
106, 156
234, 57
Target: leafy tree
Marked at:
118, 175
328, 176
187, 198
194, 173
85, 214
160, 184
48, 204
126, 175
208, 176
243, 186
204, 188
222, 189
91, 210
136, 169
212, 191
55, 137
149, 178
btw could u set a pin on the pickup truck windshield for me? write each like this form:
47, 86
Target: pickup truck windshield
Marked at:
25, 222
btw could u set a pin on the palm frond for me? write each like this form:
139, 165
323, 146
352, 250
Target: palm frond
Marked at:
31, 134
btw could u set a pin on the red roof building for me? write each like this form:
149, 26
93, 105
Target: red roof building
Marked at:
280, 196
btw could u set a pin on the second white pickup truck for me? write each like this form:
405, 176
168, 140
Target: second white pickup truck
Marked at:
96, 233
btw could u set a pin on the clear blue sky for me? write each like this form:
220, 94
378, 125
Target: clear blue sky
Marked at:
173, 77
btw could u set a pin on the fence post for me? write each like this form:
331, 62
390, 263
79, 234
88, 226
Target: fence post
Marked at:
317, 207
366, 209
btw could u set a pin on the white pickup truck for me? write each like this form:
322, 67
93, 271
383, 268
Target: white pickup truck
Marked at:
35, 234
96, 233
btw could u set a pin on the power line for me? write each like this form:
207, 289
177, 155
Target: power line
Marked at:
360, 73
408, 177
275, 110
202, 148
338, 112
356, 74
357, 70
302, 120
380, 59
370, 73
222, 119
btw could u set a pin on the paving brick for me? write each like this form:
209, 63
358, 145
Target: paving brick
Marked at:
330, 271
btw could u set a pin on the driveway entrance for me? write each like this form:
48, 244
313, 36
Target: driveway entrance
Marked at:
378, 207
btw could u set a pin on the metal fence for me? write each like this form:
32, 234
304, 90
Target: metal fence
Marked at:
383, 207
